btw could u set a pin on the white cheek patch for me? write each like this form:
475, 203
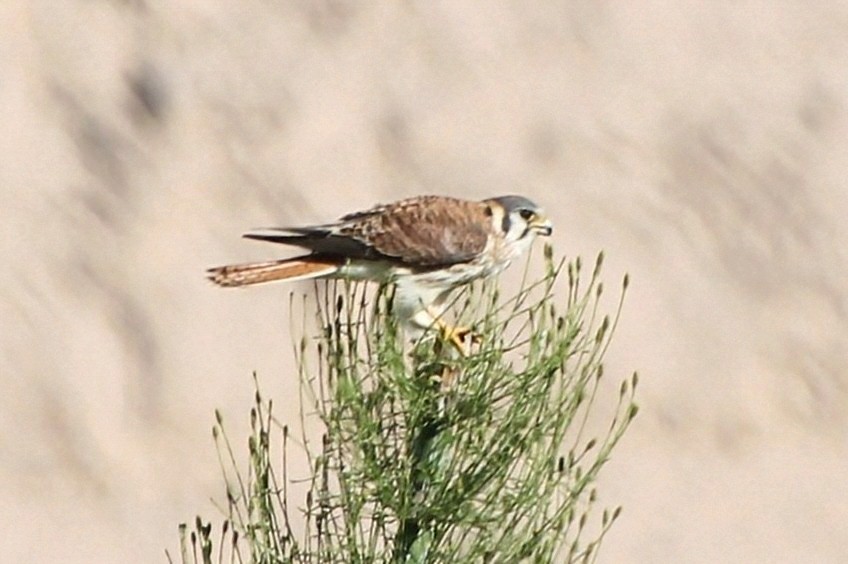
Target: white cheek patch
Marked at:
513, 227
518, 229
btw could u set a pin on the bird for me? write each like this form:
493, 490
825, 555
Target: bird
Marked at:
427, 246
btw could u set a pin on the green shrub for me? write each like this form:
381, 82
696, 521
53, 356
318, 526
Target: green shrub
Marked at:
427, 455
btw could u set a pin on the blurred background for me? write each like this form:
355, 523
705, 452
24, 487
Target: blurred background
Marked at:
701, 144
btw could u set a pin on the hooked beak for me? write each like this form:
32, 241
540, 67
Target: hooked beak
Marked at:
543, 226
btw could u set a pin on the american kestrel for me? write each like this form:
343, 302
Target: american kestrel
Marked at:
427, 246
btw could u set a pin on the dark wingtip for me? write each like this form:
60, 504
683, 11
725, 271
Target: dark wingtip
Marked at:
275, 235
287, 235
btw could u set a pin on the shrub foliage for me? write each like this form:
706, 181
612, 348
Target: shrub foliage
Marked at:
428, 455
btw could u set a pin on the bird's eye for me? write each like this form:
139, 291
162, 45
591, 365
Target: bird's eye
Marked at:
526, 214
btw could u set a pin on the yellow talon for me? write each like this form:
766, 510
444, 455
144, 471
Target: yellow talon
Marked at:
457, 336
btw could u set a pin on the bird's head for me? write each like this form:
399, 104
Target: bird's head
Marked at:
519, 219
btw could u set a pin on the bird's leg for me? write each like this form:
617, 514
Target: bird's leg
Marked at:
453, 334
458, 335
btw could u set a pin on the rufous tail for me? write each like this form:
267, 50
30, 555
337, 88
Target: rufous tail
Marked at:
247, 274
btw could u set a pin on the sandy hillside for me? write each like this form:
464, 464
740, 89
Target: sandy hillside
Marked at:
701, 144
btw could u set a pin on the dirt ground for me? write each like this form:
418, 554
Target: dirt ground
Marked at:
701, 144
